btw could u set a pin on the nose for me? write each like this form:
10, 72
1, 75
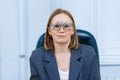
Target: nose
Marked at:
61, 29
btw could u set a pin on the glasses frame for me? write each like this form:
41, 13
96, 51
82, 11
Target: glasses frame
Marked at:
65, 25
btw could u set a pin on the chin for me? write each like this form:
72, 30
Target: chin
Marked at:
62, 41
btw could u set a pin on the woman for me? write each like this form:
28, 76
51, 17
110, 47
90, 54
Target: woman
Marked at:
62, 57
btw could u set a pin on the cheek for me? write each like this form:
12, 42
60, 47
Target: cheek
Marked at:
52, 33
68, 36
54, 36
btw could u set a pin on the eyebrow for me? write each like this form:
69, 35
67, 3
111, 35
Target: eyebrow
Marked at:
62, 23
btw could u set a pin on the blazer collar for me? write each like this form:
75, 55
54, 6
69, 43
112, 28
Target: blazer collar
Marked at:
52, 69
51, 65
75, 64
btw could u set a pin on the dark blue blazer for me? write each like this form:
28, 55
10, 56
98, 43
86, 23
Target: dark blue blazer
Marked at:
83, 64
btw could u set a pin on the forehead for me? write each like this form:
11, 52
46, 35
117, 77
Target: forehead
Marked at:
61, 18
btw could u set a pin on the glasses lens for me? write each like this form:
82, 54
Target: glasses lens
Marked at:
65, 26
55, 27
68, 27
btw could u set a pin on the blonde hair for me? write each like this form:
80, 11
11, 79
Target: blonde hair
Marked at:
48, 41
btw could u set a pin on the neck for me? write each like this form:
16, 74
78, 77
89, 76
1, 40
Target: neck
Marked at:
61, 48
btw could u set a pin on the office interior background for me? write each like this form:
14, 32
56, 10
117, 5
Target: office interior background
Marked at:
23, 21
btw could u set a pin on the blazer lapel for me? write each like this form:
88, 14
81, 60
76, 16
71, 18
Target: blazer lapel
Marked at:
51, 65
75, 65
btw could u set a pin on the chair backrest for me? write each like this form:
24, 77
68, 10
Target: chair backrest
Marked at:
84, 37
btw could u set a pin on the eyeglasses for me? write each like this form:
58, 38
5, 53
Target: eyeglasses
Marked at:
66, 26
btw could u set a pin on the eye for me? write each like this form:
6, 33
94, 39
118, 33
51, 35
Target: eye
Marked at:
56, 25
66, 26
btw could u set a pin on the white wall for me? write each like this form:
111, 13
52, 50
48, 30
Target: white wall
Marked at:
9, 40
21, 24
23, 21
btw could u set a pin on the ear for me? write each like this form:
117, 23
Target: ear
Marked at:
72, 31
49, 31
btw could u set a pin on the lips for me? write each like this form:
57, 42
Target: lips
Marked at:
61, 36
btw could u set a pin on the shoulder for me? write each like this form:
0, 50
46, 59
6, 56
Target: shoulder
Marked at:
87, 50
37, 53
83, 46
88, 55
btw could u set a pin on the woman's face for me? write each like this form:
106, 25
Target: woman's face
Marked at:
61, 29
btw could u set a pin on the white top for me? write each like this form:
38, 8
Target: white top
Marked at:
64, 75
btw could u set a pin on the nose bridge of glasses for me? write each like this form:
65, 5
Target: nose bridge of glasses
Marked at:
61, 28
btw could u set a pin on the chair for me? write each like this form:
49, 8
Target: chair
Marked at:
84, 37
